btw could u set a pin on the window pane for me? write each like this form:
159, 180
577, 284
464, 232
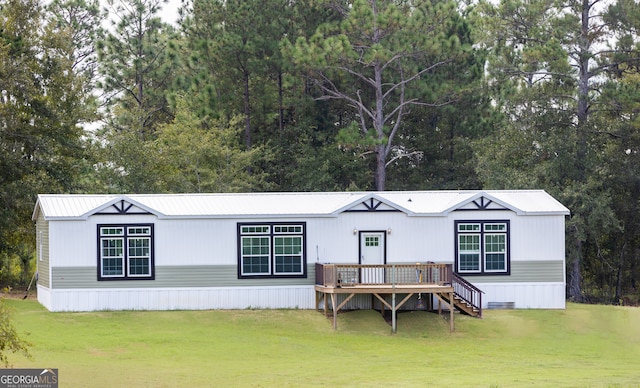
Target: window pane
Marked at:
494, 243
112, 257
255, 265
112, 231
468, 227
287, 229
112, 267
288, 254
255, 229
469, 243
495, 262
495, 252
139, 266
469, 252
139, 256
255, 255
112, 248
495, 227
139, 231
371, 241
288, 264
469, 262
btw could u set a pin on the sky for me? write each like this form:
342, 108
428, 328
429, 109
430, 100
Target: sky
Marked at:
169, 11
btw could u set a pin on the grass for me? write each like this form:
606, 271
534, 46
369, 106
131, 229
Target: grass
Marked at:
583, 346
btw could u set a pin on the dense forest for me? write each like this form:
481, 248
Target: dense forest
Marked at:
329, 95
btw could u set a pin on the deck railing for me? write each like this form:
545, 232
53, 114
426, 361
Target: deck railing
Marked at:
345, 275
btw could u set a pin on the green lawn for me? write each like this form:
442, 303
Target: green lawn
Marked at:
583, 346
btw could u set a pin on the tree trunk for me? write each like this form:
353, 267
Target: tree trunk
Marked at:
280, 103
381, 168
247, 112
574, 275
618, 295
583, 92
575, 291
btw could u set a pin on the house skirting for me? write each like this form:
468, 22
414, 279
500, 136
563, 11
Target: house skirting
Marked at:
523, 295
212, 298
536, 295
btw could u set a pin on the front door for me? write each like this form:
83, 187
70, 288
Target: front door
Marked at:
372, 251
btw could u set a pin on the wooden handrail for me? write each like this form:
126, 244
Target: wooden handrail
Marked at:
339, 275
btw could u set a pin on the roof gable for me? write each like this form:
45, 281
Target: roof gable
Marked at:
482, 201
70, 206
372, 203
122, 205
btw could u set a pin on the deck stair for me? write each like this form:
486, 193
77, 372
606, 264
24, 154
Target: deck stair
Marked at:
467, 298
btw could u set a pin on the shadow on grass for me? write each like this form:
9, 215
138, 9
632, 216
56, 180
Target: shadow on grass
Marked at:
409, 323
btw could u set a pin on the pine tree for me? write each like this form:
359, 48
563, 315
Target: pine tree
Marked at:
380, 59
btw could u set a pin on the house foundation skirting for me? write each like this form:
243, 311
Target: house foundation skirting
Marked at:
212, 298
530, 295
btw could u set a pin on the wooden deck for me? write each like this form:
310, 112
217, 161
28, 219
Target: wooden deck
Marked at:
394, 280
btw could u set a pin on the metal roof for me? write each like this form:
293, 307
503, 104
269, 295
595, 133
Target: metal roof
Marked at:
276, 204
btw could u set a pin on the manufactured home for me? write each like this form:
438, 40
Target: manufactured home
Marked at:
293, 250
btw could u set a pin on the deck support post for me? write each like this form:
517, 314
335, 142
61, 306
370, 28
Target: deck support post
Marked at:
393, 300
393, 313
335, 311
451, 326
326, 307
338, 307
318, 298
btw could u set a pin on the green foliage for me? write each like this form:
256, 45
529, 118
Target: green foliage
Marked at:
10, 340
312, 152
204, 155
40, 105
16, 265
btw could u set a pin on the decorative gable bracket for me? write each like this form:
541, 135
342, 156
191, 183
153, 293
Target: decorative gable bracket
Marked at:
482, 203
372, 205
123, 207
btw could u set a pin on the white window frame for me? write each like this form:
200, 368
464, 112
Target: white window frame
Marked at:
487, 252
469, 252
273, 232
127, 234
483, 229
255, 255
